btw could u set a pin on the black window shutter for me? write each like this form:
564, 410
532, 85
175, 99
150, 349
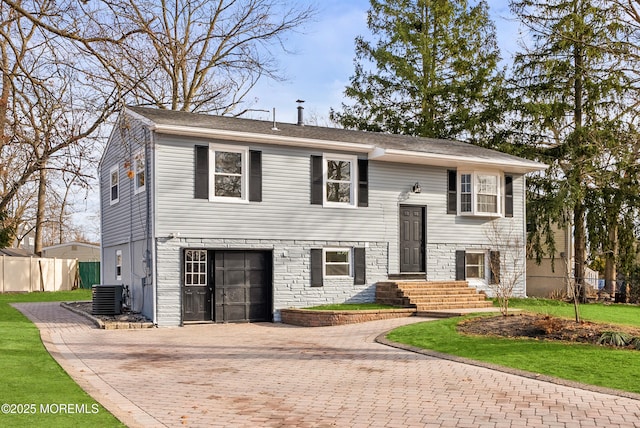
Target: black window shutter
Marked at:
316, 267
494, 264
363, 183
461, 273
202, 172
452, 191
255, 175
359, 266
316, 180
508, 196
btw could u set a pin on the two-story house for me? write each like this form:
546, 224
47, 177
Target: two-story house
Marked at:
210, 218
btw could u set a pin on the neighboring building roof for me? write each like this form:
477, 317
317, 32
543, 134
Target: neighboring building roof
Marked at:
378, 146
16, 252
67, 244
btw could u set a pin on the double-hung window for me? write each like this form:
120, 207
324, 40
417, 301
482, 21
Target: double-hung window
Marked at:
114, 180
229, 180
139, 167
480, 193
474, 265
340, 185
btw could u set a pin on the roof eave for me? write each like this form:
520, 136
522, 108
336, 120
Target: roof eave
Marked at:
262, 138
516, 165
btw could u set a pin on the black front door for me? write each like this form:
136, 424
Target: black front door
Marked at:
412, 233
197, 290
242, 286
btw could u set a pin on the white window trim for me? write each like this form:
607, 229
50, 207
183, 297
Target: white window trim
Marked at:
324, 262
474, 193
113, 169
353, 197
118, 260
244, 194
483, 280
139, 155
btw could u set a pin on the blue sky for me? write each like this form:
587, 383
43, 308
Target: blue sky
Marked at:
323, 61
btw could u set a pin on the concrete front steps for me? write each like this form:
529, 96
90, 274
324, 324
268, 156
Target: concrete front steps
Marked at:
428, 296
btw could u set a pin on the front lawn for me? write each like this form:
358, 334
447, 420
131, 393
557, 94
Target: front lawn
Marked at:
614, 314
35, 391
595, 365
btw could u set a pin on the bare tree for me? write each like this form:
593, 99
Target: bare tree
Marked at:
506, 261
203, 55
66, 66
48, 107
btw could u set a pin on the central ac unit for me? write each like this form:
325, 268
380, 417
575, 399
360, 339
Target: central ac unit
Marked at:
107, 299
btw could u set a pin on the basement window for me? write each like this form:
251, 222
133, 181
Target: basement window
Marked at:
337, 262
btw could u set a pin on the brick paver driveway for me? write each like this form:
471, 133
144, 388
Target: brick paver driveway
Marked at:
270, 375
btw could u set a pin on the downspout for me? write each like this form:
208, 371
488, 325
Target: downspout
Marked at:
151, 230
131, 201
101, 228
524, 230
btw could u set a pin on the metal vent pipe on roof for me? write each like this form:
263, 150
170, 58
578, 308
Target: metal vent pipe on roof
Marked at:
300, 113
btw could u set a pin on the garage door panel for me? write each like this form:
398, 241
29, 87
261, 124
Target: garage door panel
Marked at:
258, 295
257, 279
234, 260
255, 261
235, 295
236, 313
243, 286
256, 312
234, 278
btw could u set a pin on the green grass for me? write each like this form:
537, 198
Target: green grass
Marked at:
595, 365
351, 307
614, 314
32, 381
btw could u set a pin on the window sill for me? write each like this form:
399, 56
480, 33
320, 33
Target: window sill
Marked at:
339, 205
229, 200
481, 215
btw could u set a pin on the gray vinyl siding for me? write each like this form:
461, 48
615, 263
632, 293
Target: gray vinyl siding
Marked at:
286, 213
126, 219
125, 225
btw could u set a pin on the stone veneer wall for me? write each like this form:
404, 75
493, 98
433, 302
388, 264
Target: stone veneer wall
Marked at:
315, 318
441, 266
291, 273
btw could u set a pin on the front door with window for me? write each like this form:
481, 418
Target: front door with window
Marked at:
197, 291
412, 239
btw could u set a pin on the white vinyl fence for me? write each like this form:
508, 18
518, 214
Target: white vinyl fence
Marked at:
26, 274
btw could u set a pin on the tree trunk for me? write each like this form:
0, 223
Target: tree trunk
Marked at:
610, 273
579, 243
42, 190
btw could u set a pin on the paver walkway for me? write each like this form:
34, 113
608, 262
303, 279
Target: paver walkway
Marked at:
273, 375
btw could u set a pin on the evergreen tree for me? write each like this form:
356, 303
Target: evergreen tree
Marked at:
574, 96
431, 71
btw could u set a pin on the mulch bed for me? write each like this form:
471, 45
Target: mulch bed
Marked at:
541, 327
125, 320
